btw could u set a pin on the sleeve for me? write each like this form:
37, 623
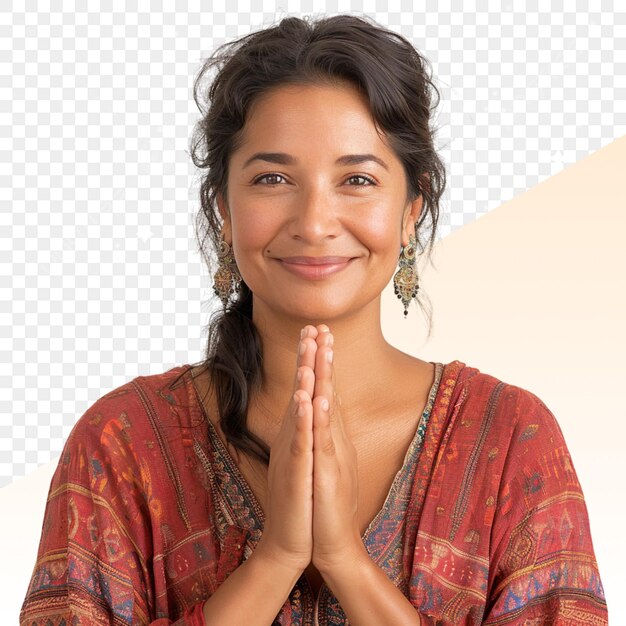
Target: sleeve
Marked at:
93, 562
543, 568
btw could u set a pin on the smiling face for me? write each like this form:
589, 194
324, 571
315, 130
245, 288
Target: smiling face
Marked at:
313, 178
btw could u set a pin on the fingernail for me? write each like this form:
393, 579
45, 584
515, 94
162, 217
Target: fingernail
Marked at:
302, 333
324, 328
325, 404
329, 356
299, 376
302, 348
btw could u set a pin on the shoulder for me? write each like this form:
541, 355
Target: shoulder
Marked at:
134, 452
130, 404
127, 423
506, 433
493, 426
115, 501
498, 408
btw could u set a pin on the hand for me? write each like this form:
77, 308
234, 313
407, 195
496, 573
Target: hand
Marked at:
336, 534
287, 533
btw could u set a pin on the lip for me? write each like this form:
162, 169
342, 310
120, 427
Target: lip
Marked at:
315, 268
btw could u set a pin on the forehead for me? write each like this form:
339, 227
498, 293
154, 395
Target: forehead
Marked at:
325, 89
318, 113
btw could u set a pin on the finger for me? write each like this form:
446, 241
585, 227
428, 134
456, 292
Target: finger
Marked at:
335, 413
302, 439
307, 347
323, 443
291, 416
324, 336
323, 374
322, 328
309, 331
305, 380
305, 375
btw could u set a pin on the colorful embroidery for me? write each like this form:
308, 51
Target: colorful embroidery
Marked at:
148, 515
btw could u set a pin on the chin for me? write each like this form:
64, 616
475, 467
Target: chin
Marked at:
299, 308
312, 315
321, 313
311, 306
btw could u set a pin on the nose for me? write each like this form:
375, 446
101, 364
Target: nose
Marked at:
315, 216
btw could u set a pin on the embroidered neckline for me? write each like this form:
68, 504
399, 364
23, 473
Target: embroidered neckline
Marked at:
244, 510
254, 523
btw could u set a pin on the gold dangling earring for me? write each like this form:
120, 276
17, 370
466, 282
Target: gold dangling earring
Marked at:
227, 279
405, 280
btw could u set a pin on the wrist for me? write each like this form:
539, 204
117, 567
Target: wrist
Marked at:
254, 592
346, 561
289, 563
340, 575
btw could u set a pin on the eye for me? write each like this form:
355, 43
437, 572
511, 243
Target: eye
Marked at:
266, 177
370, 181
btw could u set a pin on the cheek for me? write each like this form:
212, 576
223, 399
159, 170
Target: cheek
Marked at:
251, 226
382, 229
252, 237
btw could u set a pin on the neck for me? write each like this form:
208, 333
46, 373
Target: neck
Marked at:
362, 356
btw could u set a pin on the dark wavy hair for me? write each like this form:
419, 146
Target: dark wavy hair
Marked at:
396, 80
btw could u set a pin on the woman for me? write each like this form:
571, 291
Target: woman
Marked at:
397, 491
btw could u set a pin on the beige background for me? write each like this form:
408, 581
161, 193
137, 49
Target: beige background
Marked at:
532, 293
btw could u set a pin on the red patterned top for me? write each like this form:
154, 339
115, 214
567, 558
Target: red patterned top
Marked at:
484, 524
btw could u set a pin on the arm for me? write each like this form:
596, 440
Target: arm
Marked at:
254, 593
111, 510
93, 565
543, 566
367, 596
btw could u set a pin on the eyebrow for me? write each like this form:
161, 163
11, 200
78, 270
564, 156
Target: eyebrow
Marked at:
283, 158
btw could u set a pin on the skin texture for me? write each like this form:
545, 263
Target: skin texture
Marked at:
315, 503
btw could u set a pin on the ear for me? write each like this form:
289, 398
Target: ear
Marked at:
411, 215
222, 207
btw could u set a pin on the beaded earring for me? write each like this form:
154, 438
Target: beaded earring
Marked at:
227, 279
405, 280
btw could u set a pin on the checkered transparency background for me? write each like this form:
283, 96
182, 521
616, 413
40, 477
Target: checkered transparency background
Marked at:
100, 279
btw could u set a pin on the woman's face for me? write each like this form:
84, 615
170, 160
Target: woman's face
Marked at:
314, 179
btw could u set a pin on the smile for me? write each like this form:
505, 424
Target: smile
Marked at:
314, 272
